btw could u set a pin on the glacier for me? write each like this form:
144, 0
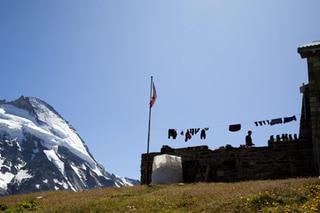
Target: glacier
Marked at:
39, 150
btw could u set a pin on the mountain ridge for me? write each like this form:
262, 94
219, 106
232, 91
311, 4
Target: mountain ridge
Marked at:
39, 150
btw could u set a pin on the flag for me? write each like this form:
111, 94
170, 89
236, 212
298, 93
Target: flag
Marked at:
154, 95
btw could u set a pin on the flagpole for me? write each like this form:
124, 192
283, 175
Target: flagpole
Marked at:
149, 116
149, 124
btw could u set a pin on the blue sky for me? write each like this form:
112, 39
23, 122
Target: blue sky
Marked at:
214, 63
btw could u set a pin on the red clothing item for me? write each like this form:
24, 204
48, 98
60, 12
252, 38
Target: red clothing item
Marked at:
188, 136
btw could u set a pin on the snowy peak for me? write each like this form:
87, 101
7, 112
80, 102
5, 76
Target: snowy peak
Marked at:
33, 116
50, 153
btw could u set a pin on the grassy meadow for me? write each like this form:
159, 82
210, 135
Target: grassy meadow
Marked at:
290, 195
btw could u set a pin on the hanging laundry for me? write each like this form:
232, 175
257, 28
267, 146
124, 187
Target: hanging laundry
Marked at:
192, 131
276, 121
187, 136
172, 133
234, 127
262, 123
289, 119
203, 134
196, 131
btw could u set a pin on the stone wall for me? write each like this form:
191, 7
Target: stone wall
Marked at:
278, 160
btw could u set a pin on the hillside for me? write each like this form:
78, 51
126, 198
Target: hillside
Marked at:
291, 195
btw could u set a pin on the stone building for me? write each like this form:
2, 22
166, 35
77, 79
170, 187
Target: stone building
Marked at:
283, 158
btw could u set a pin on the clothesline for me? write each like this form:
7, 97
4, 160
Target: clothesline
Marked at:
247, 123
190, 132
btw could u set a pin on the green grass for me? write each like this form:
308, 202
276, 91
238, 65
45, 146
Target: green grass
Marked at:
291, 195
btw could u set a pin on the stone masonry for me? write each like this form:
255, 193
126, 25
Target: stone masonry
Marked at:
312, 53
282, 158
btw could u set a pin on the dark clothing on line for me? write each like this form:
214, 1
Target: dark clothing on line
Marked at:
261, 123
192, 131
234, 127
187, 136
203, 134
196, 131
289, 119
276, 121
172, 133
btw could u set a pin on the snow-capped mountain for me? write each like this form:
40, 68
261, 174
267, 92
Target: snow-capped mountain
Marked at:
39, 151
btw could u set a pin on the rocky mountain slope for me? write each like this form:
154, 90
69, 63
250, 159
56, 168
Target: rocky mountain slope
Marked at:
40, 151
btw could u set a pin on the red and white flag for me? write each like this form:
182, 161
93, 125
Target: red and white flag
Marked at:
154, 95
